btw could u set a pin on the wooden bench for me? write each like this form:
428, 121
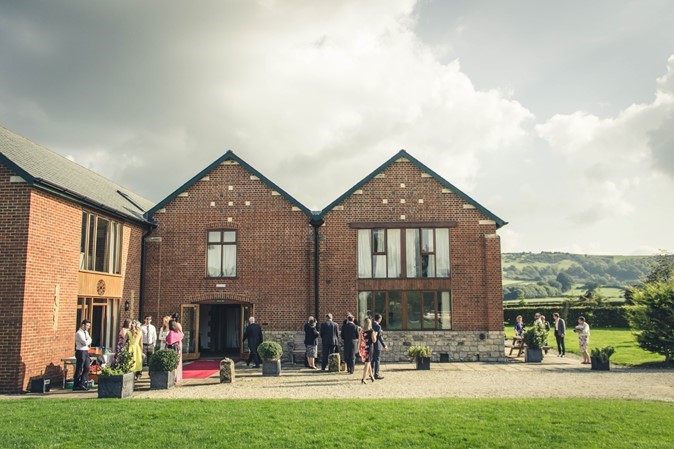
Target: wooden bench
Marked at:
518, 344
299, 349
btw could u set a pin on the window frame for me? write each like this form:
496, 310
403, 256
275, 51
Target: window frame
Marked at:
112, 257
222, 244
437, 295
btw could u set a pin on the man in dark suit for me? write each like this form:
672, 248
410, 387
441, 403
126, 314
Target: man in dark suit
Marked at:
379, 346
329, 338
254, 336
560, 331
350, 337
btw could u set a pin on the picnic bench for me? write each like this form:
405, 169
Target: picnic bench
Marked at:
299, 349
518, 344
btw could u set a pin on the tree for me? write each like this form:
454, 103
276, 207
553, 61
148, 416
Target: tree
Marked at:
591, 287
565, 280
655, 318
662, 268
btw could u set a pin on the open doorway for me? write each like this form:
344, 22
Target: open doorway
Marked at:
219, 330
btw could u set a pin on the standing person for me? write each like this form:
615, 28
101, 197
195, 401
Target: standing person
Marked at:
310, 337
149, 338
537, 319
82, 342
350, 337
379, 346
366, 342
163, 331
519, 326
583, 331
329, 338
254, 336
560, 331
174, 341
121, 338
135, 337
546, 325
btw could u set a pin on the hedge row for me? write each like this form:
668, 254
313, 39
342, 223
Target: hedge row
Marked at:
595, 316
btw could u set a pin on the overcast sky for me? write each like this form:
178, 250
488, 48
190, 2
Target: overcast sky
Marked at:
558, 117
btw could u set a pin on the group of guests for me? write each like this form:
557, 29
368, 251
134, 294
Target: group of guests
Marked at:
582, 329
139, 340
366, 342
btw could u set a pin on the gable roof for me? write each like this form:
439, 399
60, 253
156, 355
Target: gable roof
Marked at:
47, 170
404, 154
229, 155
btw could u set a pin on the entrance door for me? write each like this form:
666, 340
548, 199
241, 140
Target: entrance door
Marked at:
219, 330
247, 311
189, 315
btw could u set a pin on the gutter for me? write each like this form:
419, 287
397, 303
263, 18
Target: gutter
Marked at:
316, 223
141, 292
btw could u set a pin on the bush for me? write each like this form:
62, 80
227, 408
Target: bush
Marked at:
122, 365
596, 316
603, 354
270, 350
536, 337
418, 352
164, 360
655, 318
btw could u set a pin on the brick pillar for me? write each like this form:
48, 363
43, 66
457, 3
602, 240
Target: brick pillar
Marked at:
492, 282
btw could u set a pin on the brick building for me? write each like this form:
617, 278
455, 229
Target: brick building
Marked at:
70, 248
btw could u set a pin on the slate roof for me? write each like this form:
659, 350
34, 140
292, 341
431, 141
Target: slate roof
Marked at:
404, 154
47, 170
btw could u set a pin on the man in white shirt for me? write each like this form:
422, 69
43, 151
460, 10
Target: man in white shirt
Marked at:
537, 319
82, 342
149, 338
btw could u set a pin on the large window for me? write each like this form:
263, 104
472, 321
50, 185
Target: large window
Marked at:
425, 251
410, 310
100, 244
221, 257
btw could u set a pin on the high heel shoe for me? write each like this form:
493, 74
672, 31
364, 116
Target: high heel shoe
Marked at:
372, 378
363, 381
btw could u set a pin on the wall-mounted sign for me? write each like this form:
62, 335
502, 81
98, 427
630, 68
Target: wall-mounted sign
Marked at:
220, 285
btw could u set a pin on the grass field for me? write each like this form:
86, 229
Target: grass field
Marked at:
428, 423
627, 352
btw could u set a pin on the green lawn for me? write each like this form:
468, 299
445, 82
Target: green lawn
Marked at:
427, 423
627, 352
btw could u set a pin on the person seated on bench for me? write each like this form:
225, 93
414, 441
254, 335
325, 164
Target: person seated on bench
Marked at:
519, 326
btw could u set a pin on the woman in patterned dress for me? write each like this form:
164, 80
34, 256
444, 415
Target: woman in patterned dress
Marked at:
583, 331
367, 339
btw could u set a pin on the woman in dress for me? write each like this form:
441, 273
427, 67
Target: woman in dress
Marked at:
163, 332
121, 338
583, 331
310, 337
135, 338
174, 341
367, 339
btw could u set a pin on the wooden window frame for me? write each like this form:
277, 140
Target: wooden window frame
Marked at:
222, 243
404, 325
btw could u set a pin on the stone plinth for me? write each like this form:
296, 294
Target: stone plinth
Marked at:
226, 371
334, 362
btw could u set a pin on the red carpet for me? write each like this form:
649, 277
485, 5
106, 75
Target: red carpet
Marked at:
201, 369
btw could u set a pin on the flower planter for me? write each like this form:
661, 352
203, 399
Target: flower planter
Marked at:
271, 367
598, 365
533, 355
120, 386
162, 380
424, 363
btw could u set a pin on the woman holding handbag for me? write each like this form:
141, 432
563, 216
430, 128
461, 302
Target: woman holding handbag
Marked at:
174, 341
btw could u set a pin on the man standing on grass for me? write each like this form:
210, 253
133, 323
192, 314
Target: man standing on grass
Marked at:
149, 338
560, 330
379, 346
82, 342
329, 339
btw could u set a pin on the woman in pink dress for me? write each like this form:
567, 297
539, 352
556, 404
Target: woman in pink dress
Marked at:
174, 341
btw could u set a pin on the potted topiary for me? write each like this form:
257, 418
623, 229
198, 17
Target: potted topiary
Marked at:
535, 338
162, 369
421, 355
600, 358
117, 380
270, 352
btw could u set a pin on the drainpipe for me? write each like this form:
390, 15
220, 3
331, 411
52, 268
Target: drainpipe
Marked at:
141, 292
316, 223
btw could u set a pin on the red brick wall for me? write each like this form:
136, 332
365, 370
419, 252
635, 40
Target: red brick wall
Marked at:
274, 251
474, 262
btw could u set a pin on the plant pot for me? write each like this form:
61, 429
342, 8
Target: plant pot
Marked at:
162, 380
598, 365
271, 367
424, 363
120, 386
533, 355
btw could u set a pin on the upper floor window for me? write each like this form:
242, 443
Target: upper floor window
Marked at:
425, 252
221, 258
100, 244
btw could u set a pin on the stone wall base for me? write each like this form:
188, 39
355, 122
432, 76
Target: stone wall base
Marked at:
459, 346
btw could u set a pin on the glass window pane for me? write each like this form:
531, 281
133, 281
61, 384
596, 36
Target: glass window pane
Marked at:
395, 310
214, 236
92, 242
413, 310
229, 260
393, 253
83, 241
444, 311
118, 257
364, 304
412, 253
379, 240
214, 260
379, 266
442, 252
428, 266
364, 254
102, 235
229, 236
429, 310
380, 307
427, 240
